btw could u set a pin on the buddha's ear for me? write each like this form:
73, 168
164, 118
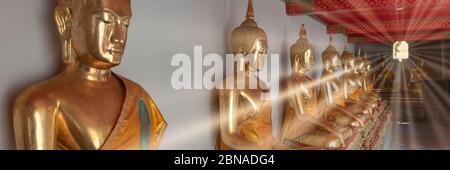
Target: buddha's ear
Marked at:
63, 18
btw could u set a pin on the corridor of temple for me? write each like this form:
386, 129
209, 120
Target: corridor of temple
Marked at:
408, 44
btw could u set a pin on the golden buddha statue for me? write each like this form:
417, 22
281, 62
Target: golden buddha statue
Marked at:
367, 80
331, 101
352, 85
384, 78
87, 106
367, 74
417, 76
303, 124
245, 117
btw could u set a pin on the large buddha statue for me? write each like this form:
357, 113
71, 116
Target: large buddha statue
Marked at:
245, 116
417, 76
303, 124
331, 100
87, 106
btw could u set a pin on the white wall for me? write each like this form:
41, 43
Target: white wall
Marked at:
29, 52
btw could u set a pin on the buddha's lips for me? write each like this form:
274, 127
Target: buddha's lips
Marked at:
115, 51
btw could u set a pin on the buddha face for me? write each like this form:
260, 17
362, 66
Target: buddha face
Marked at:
304, 62
335, 63
258, 55
309, 59
100, 36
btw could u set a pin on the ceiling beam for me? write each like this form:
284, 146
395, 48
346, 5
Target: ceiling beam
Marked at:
383, 15
408, 26
429, 36
300, 7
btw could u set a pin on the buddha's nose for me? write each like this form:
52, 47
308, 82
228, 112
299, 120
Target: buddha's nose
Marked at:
118, 35
117, 41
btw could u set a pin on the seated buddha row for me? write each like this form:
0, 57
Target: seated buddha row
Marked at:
327, 112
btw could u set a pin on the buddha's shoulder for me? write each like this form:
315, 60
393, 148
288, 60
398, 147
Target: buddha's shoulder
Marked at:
43, 93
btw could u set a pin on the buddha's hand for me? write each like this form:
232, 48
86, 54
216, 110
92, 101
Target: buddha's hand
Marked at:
255, 131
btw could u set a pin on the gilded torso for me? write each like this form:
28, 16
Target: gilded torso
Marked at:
351, 86
330, 90
303, 86
78, 114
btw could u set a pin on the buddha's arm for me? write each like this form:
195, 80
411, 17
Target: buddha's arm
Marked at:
228, 108
295, 99
253, 106
34, 125
329, 98
327, 91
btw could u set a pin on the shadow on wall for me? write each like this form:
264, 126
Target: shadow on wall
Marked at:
46, 16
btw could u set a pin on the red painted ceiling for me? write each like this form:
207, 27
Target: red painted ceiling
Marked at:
379, 20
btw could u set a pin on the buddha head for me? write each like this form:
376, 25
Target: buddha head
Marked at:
93, 31
330, 57
250, 41
302, 53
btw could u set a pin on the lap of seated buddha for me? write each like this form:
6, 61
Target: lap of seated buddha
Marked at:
320, 138
340, 119
304, 132
372, 99
359, 107
345, 122
361, 112
255, 133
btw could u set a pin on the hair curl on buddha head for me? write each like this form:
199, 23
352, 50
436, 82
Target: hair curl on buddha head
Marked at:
75, 7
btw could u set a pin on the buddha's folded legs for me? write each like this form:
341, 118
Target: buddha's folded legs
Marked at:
320, 139
311, 133
342, 120
256, 132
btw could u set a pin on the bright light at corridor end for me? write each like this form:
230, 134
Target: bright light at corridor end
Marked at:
400, 51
